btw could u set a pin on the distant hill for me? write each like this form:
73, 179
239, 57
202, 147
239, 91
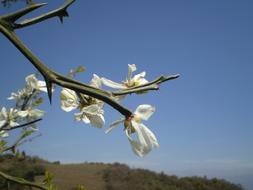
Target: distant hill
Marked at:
99, 176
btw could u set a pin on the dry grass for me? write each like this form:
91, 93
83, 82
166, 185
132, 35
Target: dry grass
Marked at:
68, 176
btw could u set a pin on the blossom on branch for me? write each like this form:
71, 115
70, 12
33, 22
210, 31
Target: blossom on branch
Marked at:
130, 82
34, 83
92, 114
91, 109
145, 139
32, 114
3, 134
9, 117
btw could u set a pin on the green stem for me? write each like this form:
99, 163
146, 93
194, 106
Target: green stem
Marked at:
22, 181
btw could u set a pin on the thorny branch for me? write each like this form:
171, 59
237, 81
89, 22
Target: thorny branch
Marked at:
8, 26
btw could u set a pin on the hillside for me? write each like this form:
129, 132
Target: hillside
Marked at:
99, 176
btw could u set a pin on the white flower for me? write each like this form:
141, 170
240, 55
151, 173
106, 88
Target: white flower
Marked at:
32, 114
9, 117
3, 134
92, 114
21, 94
91, 109
137, 80
145, 140
33, 82
96, 81
69, 100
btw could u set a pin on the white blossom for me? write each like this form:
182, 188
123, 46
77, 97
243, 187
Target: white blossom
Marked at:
146, 139
32, 114
96, 81
134, 81
33, 82
92, 114
69, 100
9, 117
3, 134
21, 94
91, 109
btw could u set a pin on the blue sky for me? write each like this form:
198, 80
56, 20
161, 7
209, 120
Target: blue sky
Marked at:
203, 120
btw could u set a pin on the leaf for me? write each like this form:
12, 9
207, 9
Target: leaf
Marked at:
2, 145
26, 133
80, 69
73, 72
37, 102
48, 178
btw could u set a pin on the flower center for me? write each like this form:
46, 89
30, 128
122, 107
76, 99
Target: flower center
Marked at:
137, 119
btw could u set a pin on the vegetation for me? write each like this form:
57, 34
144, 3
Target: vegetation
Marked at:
7, 2
100, 176
121, 177
22, 166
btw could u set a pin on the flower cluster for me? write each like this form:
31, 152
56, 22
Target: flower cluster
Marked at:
24, 112
90, 111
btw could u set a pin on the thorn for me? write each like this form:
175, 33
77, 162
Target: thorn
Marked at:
63, 14
49, 90
61, 19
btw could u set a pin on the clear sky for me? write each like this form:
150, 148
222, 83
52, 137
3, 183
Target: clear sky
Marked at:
203, 120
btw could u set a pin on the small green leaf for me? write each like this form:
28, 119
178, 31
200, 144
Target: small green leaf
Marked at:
73, 72
80, 69
26, 133
37, 102
48, 178
2, 145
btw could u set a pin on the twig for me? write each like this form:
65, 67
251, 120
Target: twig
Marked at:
153, 85
7, 27
60, 12
22, 181
23, 125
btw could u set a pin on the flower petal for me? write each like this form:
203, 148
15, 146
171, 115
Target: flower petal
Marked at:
139, 76
3, 134
144, 111
142, 81
2, 122
4, 112
96, 81
136, 147
97, 120
36, 113
112, 84
115, 124
140, 136
82, 117
41, 85
93, 109
94, 114
31, 80
12, 123
131, 69
149, 136
23, 113
69, 100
